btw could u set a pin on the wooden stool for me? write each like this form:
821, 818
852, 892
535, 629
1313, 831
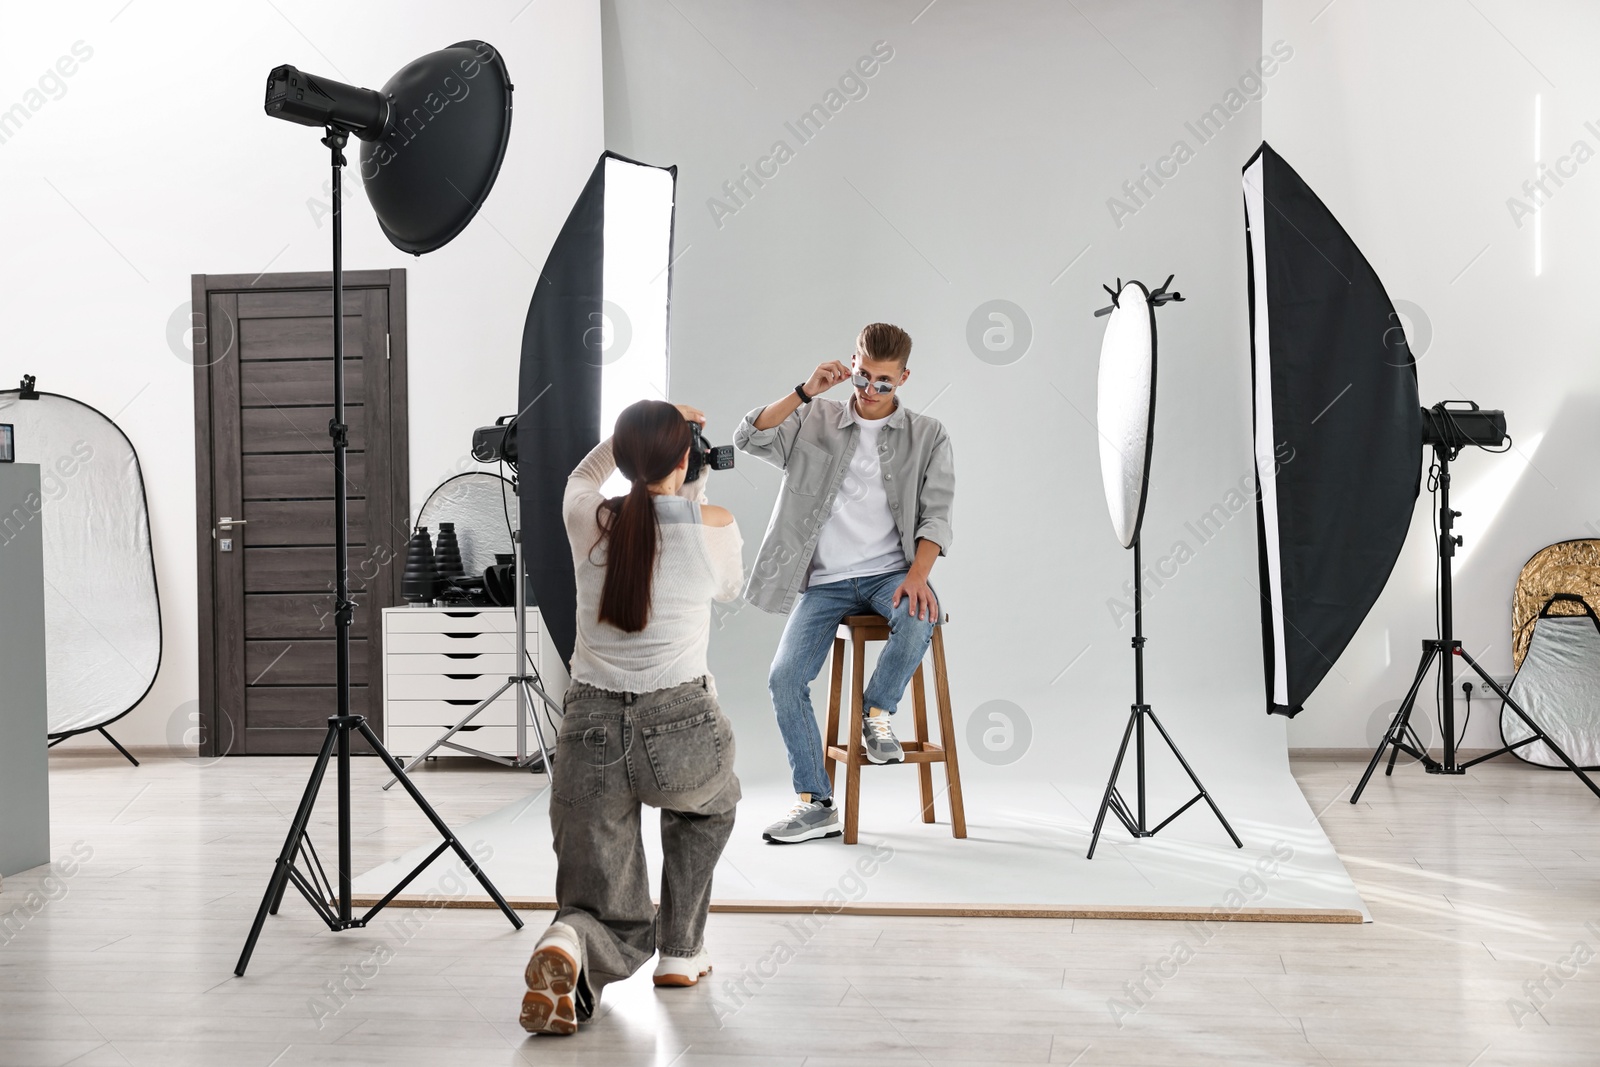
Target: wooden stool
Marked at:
858, 630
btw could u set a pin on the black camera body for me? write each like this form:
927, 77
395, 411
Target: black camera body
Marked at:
703, 454
492, 444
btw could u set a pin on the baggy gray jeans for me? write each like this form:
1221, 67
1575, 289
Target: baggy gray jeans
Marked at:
671, 749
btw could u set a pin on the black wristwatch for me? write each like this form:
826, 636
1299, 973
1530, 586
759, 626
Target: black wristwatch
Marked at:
800, 391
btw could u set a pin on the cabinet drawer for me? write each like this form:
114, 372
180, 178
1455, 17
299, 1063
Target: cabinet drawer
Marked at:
403, 643
439, 714
405, 741
501, 663
464, 686
466, 620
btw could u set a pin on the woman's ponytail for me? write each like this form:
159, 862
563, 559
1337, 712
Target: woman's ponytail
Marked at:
650, 440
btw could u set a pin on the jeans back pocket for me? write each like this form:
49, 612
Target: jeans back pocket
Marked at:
584, 749
685, 754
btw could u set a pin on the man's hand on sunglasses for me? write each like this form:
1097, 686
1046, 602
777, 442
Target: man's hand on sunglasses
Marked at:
827, 375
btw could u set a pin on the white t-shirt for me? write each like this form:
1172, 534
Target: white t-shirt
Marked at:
860, 538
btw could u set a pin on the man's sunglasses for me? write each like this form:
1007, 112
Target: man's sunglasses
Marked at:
861, 381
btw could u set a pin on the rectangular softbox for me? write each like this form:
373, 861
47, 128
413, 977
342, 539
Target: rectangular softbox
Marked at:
1338, 429
595, 341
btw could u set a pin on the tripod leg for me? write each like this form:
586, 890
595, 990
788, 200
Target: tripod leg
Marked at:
529, 689
416, 761
291, 846
1523, 715
1402, 718
1111, 785
438, 823
1195, 779
126, 754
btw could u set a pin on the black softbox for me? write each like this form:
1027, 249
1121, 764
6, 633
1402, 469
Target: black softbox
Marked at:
596, 327
1338, 428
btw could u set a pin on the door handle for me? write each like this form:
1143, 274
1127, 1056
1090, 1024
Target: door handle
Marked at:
226, 523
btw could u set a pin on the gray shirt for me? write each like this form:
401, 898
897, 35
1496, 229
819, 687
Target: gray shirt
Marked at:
813, 447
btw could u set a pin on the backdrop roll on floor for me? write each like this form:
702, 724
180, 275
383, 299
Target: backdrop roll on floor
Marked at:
1024, 855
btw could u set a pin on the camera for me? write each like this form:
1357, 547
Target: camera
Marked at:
492, 444
703, 454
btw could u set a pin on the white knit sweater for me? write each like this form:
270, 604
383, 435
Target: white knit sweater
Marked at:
694, 565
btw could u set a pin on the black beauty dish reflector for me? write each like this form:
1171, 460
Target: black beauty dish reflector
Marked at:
432, 138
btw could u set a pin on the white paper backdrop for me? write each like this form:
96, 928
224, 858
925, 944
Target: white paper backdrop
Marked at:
977, 187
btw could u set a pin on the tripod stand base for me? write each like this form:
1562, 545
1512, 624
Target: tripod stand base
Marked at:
1402, 737
313, 882
1134, 820
539, 762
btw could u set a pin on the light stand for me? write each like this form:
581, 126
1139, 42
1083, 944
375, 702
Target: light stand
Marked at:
1401, 736
318, 892
1136, 821
527, 687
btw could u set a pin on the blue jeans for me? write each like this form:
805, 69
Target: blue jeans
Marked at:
807, 640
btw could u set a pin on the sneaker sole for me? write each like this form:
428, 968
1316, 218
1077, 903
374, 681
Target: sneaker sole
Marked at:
884, 762
809, 835
680, 980
549, 1006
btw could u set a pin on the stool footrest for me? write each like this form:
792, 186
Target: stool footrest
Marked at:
916, 752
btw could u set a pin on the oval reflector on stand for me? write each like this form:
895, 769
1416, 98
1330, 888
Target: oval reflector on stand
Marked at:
1125, 412
102, 610
449, 120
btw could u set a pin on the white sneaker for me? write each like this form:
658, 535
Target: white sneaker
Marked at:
807, 820
678, 971
550, 1006
877, 737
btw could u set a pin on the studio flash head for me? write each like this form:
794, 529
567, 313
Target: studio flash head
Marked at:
703, 454
298, 97
498, 443
1455, 428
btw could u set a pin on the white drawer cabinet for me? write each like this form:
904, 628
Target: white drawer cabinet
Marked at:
440, 662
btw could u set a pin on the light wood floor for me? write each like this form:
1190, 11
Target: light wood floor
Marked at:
1476, 884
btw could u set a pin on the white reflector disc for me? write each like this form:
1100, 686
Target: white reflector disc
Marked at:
1125, 413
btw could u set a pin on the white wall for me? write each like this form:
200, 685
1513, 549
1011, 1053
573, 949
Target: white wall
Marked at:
981, 162
978, 166
156, 161
1415, 123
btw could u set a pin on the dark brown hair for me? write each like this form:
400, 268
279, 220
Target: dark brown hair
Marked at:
650, 440
883, 341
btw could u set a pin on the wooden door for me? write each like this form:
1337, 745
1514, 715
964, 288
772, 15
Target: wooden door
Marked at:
263, 399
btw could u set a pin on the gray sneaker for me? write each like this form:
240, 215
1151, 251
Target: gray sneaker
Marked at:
808, 819
878, 737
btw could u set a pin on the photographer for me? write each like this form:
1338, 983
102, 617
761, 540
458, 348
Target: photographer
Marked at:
641, 722
864, 512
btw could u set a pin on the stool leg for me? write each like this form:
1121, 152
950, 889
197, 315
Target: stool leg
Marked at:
947, 736
852, 781
919, 700
830, 736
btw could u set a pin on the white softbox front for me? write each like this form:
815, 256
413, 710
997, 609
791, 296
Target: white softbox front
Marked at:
102, 613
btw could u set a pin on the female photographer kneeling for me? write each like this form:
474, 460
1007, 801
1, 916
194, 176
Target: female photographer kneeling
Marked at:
641, 723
